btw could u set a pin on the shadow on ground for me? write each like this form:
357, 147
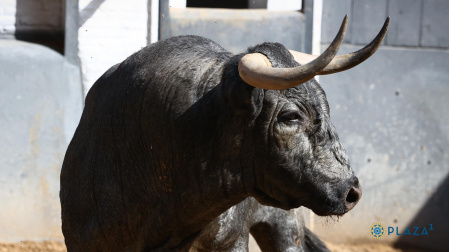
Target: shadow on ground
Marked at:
436, 212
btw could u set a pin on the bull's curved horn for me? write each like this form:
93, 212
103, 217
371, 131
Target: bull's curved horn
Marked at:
255, 69
346, 61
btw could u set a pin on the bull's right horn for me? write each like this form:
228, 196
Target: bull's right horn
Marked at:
255, 69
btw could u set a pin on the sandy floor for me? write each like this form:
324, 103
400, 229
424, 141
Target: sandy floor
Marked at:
367, 248
27, 246
52, 246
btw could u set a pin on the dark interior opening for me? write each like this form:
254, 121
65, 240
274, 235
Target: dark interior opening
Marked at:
52, 40
41, 23
229, 4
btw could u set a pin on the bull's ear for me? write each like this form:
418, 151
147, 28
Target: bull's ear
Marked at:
244, 98
241, 97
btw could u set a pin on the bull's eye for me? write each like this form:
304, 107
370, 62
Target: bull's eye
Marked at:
290, 117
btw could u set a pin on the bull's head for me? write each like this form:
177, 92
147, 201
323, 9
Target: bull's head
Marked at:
301, 161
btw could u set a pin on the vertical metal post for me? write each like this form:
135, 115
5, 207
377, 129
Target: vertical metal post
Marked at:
164, 19
71, 31
308, 12
149, 21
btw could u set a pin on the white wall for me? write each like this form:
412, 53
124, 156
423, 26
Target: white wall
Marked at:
7, 17
109, 32
284, 5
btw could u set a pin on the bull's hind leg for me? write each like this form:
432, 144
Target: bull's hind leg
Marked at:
275, 229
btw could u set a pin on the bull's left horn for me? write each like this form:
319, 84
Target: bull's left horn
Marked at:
346, 61
255, 69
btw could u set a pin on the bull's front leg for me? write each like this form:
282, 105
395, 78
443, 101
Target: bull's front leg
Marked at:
229, 232
275, 229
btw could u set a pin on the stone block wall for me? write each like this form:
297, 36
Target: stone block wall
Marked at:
416, 23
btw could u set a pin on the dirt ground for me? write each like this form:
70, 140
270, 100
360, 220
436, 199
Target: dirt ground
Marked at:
367, 248
52, 246
27, 246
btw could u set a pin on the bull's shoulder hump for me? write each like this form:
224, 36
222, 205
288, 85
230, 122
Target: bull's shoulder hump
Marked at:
193, 42
181, 48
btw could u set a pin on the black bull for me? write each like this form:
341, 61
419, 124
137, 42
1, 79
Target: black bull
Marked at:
184, 146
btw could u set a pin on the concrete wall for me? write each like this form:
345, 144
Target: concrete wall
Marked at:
41, 102
392, 112
41, 99
40, 106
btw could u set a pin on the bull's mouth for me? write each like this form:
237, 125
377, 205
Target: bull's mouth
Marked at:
321, 208
337, 200
337, 209
338, 205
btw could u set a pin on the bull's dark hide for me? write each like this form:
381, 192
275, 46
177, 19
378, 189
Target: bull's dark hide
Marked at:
175, 152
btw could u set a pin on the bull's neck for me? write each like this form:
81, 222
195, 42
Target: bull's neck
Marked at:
202, 193
202, 164
208, 176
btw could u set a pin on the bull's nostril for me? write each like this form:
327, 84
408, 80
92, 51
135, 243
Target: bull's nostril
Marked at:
353, 196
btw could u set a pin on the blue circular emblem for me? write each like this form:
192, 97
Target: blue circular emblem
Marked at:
377, 230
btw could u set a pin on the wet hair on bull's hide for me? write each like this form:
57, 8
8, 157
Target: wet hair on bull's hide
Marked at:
312, 97
322, 135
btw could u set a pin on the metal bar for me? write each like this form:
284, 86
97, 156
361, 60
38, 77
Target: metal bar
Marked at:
71, 32
164, 19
